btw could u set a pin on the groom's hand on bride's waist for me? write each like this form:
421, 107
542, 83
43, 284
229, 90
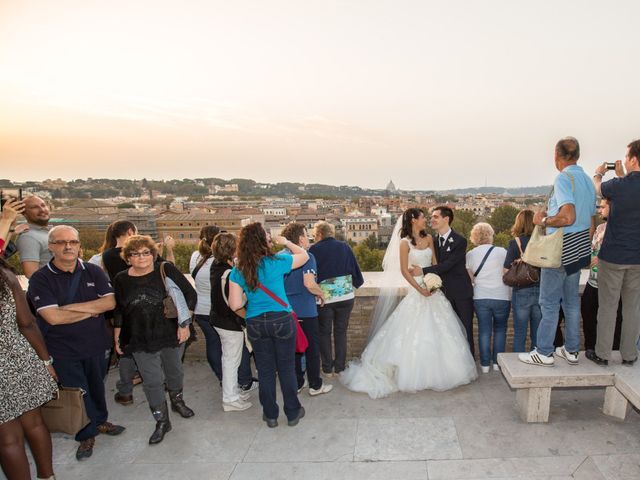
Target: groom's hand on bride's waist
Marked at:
416, 271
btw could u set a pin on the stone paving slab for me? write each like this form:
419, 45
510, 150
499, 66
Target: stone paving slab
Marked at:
193, 471
588, 471
406, 439
495, 437
333, 471
200, 441
330, 440
490, 468
618, 467
471, 432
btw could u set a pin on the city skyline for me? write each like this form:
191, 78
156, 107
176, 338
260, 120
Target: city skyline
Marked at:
433, 96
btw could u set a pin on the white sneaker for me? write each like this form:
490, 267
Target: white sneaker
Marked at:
304, 385
570, 357
535, 358
496, 367
485, 369
237, 406
324, 388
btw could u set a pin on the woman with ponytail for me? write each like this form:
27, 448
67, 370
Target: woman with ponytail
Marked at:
200, 269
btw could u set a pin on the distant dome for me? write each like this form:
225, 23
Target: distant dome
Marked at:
391, 187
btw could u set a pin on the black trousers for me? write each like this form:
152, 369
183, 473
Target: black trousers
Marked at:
464, 309
87, 374
334, 317
312, 355
589, 311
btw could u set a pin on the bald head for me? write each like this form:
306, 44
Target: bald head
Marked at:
36, 211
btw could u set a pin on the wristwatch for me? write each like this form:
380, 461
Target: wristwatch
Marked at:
544, 221
48, 362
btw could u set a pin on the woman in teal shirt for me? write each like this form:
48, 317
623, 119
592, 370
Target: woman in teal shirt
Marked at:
259, 274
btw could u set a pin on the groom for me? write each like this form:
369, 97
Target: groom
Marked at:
450, 250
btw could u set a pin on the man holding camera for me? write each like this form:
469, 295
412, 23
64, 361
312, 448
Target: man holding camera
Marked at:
619, 258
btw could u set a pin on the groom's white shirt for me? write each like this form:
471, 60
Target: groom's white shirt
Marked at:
446, 235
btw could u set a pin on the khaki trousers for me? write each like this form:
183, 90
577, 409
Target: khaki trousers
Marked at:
615, 283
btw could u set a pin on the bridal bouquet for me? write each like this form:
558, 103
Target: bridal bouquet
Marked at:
432, 282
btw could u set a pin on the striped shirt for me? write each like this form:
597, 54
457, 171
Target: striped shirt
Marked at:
576, 250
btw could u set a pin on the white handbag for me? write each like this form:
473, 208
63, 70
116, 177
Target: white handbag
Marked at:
544, 251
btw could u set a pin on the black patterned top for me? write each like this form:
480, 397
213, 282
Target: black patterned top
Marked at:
25, 383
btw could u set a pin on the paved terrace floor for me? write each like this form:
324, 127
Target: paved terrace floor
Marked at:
473, 432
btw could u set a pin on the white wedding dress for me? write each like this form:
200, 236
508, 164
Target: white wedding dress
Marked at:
421, 346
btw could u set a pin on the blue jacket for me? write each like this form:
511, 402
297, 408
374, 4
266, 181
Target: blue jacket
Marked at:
335, 259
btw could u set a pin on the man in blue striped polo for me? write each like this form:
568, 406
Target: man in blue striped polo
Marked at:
571, 206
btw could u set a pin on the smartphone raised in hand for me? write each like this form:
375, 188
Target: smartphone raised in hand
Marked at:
7, 193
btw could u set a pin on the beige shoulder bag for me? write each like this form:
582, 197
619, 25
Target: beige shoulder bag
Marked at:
545, 251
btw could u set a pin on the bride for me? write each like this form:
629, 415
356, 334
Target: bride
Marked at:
420, 344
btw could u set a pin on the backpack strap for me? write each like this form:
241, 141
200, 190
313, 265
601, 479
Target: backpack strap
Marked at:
223, 283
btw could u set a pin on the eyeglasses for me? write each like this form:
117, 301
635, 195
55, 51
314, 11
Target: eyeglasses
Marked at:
73, 243
144, 253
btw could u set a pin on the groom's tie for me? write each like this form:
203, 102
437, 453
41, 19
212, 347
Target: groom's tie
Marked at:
441, 242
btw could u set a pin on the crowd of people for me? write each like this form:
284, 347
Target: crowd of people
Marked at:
251, 302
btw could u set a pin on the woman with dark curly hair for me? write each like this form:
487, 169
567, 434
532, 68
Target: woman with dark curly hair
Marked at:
27, 380
270, 324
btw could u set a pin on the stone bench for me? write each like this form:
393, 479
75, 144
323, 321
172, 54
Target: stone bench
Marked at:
626, 390
533, 384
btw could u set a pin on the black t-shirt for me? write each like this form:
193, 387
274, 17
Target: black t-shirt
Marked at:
221, 315
140, 312
113, 262
620, 244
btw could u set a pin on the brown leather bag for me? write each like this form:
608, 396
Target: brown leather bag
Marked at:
520, 273
66, 413
170, 309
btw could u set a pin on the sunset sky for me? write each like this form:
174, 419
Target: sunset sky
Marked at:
433, 95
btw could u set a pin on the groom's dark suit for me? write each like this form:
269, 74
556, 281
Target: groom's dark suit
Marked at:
456, 284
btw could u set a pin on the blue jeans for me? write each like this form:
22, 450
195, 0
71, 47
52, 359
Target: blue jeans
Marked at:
557, 288
526, 315
214, 352
492, 321
273, 336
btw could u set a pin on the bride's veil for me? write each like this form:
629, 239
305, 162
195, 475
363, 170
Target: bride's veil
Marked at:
391, 283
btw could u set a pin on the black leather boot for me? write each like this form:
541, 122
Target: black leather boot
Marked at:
178, 405
163, 425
